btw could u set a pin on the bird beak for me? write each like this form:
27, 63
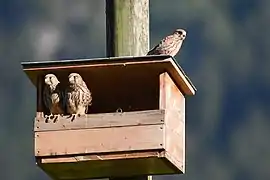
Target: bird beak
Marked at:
72, 80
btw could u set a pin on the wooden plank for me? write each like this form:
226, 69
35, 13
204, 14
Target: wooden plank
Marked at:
110, 168
103, 120
102, 156
48, 143
65, 62
116, 63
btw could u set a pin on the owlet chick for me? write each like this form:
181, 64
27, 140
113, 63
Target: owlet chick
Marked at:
170, 45
52, 96
78, 96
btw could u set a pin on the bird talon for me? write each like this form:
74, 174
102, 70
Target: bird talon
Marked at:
72, 117
56, 118
46, 118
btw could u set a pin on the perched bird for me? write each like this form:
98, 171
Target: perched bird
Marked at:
170, 45
53, 97
78, 96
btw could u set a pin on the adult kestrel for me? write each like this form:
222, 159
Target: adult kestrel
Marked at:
52, 97
170, 45
78, 96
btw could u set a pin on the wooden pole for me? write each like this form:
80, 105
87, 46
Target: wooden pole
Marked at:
127, 34
127, 27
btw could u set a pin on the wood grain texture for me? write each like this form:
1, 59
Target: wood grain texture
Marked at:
127, 27
103, 120
173, 101
98, 140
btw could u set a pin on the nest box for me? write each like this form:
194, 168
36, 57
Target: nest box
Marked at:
135, 125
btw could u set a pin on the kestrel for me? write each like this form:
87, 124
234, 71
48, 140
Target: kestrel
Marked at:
78, 96
170, 45
52, 97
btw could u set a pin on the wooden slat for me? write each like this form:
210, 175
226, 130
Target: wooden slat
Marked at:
96, 65
99, 140
102, 156
102, 120
107, 60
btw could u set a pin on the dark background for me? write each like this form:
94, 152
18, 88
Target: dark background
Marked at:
226, 54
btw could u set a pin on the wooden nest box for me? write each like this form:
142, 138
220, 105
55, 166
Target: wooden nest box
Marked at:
135, 125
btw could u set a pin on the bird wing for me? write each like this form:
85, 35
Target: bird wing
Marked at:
167, 42
164, 45
153, 50
86, 95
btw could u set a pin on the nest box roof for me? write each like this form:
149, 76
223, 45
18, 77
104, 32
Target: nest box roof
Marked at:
151, 64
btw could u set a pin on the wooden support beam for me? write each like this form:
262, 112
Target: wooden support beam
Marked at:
127, 27
127, 30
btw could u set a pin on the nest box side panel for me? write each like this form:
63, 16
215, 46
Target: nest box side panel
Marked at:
173, 101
